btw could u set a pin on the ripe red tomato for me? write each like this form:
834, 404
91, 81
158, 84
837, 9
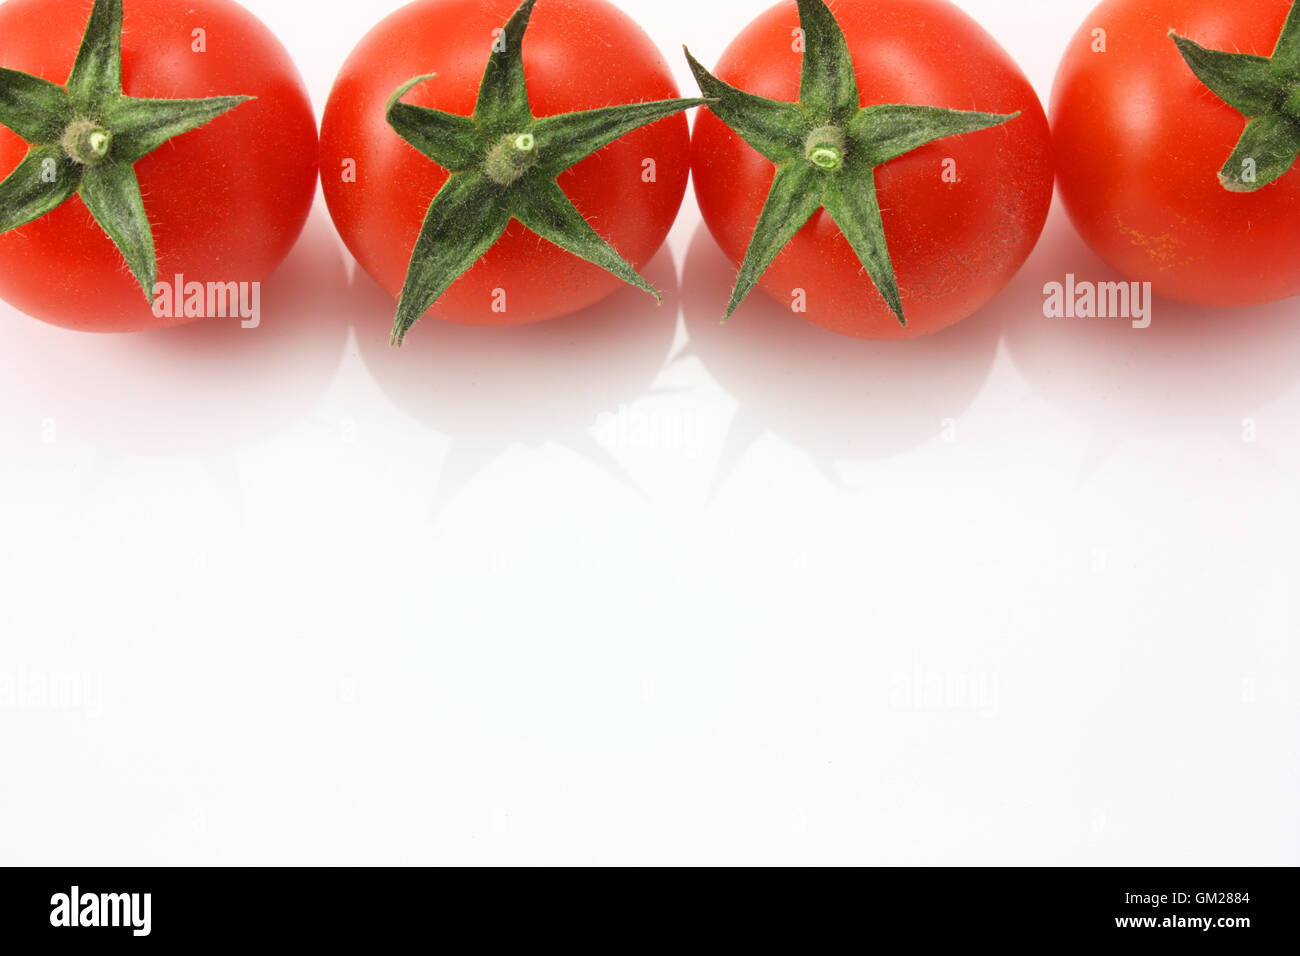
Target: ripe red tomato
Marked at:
226, 201
954, 244
578, 55
1140, 141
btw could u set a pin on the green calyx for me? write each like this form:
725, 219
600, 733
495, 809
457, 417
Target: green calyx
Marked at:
1265, 90
503, 164
85, 137
826, 149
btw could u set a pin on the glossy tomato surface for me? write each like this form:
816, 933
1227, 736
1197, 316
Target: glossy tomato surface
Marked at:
954, 244
578, 55
1140, 142
226, 201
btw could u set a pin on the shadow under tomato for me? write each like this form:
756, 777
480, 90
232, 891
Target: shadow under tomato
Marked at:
488, 389
837, 399
1194, 370
202, 389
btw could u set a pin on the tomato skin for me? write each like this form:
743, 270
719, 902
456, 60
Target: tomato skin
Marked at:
954, 245
578, 55
226, 201
1140, 141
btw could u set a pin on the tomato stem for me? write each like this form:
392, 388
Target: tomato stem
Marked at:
513, 155
825, 148
87, 143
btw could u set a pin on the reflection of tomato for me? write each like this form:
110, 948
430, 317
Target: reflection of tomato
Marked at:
887, 399
578, 55
954, 245
226, 201
1140, 141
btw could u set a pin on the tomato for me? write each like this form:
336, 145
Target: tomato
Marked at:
1140, 141
577, 55
226, 201
960, 214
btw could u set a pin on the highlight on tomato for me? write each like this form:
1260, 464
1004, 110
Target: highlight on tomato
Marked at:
883, 169
1177, 127
147, 148
493, 164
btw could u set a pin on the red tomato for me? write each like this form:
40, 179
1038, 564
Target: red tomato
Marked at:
226, 201
578, 55
954, 244
1140, 141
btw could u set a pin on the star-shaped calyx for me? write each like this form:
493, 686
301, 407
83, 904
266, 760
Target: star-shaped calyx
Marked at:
85, 138
504, 163
1264, 89
826, 149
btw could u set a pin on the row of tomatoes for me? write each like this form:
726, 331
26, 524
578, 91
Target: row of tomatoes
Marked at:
869, 222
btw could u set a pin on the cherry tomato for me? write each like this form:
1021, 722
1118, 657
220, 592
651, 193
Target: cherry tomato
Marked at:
226, 201
578, 55
960, 214
1140, 142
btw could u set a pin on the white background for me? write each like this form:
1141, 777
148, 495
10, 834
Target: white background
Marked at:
610, 591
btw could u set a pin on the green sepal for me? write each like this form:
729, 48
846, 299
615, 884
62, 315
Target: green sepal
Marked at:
142, 125
772, 127
112, 194
885, 133
857, 214
1287, 51
93, 135
503, 164
828, 87
794, 197
36, 109
464, 221
1244, 81
1268, 148
502, 105
547, 211
453, 142
826, 149
1266, 91
97, 73
26, 194
570, 138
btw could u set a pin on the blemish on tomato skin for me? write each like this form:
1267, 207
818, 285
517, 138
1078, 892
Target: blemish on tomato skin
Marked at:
1163, 249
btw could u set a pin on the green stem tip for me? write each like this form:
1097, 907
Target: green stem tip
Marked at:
825, 148
513, 155
86, 142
